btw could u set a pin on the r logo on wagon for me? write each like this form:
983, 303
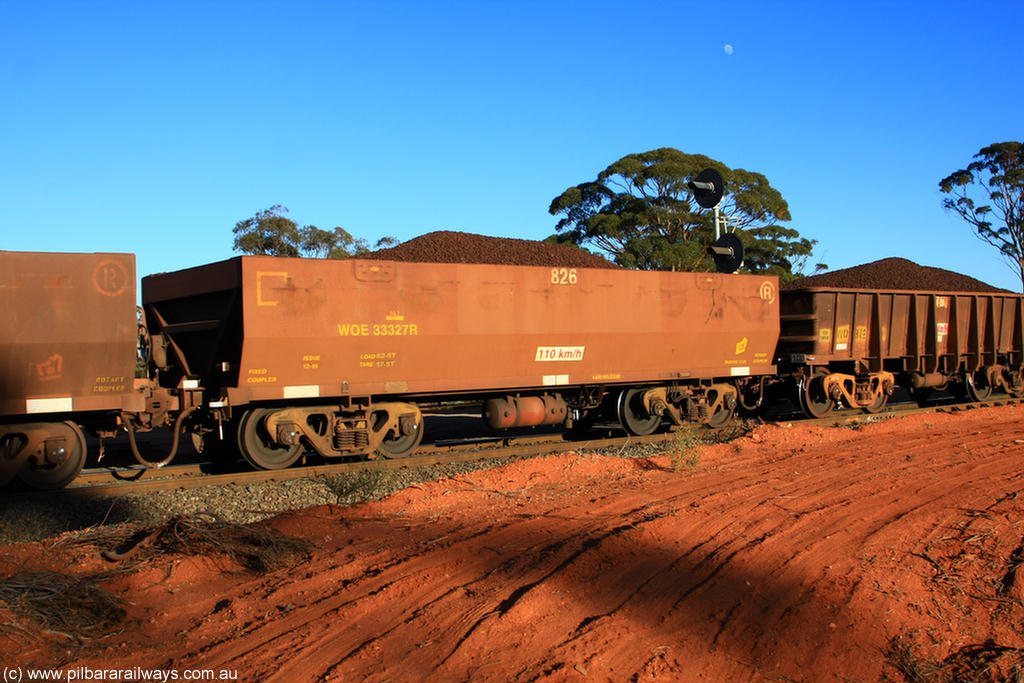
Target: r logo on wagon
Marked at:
111, 278
556, 353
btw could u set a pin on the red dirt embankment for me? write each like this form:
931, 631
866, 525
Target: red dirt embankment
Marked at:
796, 553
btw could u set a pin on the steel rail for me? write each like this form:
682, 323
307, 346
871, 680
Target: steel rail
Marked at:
190, 476
112, 482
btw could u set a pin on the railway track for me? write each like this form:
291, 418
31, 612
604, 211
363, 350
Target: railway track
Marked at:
134, 480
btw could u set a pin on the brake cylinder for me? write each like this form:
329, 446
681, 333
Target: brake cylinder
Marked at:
525, 411
919, 380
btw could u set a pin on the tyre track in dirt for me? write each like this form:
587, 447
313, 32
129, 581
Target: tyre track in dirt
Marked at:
708, 567
796, 553
529, 565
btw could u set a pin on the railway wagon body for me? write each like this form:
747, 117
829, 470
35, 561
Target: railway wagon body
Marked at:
335, 355
67, 357
855, 345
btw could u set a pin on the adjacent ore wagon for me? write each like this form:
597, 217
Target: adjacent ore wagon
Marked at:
853, 346
338, 356
67, 358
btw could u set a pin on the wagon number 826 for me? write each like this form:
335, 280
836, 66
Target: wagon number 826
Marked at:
563, 276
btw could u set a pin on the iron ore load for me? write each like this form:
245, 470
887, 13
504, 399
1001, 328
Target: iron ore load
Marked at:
275, 357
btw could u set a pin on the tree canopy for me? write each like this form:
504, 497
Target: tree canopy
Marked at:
271, 233
640, 212
989, 195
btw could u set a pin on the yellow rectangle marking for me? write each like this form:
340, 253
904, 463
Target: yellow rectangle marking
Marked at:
260, 275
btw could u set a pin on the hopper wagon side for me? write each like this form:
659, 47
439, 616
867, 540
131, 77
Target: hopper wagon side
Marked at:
854, 346
337, 356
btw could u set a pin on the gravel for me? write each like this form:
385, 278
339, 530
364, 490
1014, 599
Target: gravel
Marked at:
47, 515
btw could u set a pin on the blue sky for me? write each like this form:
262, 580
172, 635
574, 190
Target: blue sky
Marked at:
153, 127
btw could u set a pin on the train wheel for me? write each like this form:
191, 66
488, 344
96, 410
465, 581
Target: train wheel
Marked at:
1014, 383
721, 417
401, 445
978, 386
258, 447
879, 403
633, 415
814, 400
49, 476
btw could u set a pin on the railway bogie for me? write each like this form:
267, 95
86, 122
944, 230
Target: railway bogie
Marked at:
272, 438
42, 455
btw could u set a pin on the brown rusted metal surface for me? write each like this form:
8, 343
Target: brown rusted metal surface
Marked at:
311, 329
918, 332
69, 339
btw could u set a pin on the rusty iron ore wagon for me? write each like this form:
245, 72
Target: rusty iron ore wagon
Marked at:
67, 362
337, 356
854, 346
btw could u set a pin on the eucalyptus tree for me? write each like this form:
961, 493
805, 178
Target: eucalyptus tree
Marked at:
642, 213
271, 233
989, 195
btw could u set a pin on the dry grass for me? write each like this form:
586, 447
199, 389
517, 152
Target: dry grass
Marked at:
252, 548
370, 483
72, 607
986, 662
685, 450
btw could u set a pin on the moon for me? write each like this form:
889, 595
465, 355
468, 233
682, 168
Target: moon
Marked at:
728, 49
